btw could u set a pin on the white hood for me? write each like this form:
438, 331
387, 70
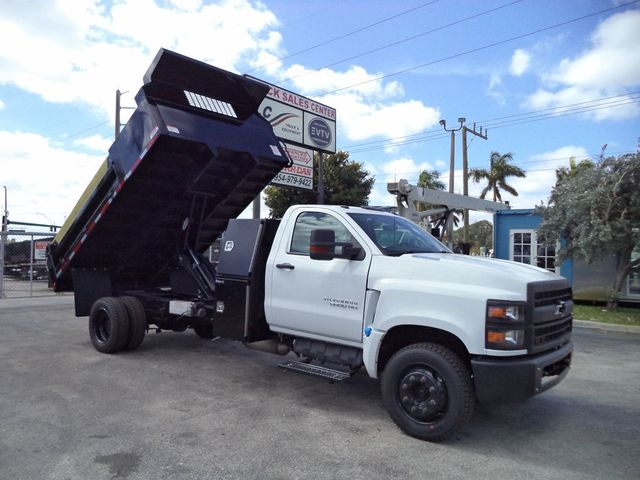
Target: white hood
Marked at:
463, 271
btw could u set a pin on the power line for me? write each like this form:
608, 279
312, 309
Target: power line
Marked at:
559, 106
579, 158
474, 50
393, 44
527, 117
490, 120
345, 35
73, 135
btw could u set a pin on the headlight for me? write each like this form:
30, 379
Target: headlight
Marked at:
506, 313
505, 326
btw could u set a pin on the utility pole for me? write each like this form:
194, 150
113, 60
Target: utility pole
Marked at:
465, 169
256, 207
3, 241
452, 167
320, 179
117, 122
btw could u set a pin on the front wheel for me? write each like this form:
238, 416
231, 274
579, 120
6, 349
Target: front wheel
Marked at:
427, 391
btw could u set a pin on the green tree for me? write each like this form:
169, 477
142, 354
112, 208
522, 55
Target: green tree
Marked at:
497, 175
596, 212
573, 169
431, 179
479, 234
345, 183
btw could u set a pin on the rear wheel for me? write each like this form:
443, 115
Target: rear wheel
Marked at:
428, 392
137, 322
108, 325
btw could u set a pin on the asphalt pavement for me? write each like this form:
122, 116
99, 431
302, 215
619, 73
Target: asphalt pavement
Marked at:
185, 408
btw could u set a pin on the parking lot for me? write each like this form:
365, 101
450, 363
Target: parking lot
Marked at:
185, 408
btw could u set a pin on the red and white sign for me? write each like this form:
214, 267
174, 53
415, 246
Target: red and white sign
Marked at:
40, 250
300, 174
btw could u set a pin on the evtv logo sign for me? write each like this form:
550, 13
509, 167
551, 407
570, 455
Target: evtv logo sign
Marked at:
320, 132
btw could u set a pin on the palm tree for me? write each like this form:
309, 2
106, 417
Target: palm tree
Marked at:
497, 175
431, 180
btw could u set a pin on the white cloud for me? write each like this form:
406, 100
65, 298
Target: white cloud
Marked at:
495, 89
2, 105
77, 51
519, 62
96, 142
405, 168
541, 175
608, 68
371, 108
31, 164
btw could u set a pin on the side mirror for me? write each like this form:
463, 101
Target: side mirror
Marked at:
323, 246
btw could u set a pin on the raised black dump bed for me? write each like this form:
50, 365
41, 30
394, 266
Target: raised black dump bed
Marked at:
194, 154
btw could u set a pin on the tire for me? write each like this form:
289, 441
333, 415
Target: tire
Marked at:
427, 390
108, 325
204, 331
137, 322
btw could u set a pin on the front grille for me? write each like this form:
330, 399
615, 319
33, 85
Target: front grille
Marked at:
552, 297
549, 314
548, 332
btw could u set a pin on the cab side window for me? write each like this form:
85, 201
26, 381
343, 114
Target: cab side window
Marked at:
308, 221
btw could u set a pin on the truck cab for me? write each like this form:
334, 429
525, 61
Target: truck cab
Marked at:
382, 285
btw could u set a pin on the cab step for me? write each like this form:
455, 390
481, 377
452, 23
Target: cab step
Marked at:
317, 370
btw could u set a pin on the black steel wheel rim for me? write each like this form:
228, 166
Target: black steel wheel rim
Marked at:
422, 394
102, 327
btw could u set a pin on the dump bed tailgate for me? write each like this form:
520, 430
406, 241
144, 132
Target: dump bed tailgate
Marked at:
194, 154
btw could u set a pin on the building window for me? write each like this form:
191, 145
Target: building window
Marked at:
546, 255
521, 243
526, 247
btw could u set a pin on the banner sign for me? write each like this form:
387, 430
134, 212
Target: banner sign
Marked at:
40, 250
300, 120
300, 174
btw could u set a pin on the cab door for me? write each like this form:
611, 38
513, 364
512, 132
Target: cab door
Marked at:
321, 299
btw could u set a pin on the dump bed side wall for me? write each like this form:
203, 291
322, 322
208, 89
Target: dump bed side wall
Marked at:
181, 168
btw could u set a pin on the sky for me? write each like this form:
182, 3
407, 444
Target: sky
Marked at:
546, 79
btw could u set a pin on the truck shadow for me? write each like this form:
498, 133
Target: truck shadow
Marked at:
552, 428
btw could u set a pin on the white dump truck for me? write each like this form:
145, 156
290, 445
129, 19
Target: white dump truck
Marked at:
334, 289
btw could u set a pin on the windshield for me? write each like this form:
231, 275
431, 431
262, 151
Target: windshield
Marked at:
396, 235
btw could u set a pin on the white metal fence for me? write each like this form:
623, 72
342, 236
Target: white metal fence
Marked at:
23, 264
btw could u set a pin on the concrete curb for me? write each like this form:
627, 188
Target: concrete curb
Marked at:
607, 327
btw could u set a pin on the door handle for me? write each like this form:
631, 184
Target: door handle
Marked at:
285, 266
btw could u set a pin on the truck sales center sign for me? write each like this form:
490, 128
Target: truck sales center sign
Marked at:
300, 120
304, 125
